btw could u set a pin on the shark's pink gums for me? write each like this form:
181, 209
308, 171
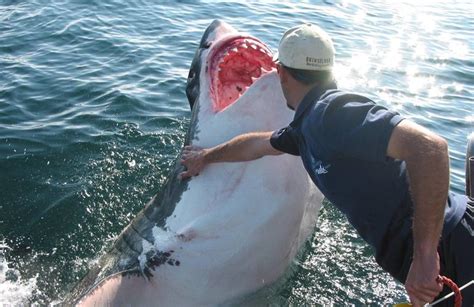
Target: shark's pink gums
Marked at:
234, 65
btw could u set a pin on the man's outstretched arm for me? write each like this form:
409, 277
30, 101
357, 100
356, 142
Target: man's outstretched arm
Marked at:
427, 160
245, 147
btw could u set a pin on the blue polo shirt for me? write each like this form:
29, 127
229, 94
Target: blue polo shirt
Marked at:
342, 139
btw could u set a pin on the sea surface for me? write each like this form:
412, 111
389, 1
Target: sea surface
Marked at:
93, 114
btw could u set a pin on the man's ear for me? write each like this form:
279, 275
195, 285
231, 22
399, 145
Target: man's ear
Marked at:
284, 75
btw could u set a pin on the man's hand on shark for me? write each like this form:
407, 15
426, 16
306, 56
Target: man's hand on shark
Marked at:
193, 160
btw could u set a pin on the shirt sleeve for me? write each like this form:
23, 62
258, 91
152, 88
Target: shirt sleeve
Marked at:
360, 130
285, 140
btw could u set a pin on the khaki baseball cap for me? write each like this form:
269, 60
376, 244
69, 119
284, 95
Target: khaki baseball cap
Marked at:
306, 47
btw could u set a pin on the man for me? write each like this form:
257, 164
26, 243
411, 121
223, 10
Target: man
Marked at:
389, 176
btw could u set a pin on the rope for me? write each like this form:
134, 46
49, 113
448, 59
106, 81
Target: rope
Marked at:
451, 284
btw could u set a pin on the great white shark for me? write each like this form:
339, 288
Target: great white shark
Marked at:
236, 227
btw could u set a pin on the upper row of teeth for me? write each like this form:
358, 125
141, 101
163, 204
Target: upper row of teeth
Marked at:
248, 44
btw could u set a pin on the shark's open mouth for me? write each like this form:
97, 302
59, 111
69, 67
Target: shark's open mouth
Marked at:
234, 65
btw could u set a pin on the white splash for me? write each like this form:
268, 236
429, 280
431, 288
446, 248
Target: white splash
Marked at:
13, 290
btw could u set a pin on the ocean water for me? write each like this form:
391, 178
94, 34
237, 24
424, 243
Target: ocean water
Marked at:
93, 114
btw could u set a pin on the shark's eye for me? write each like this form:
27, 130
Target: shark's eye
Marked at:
235, 66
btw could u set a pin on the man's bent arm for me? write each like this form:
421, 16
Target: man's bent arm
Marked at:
427, 160
244, 147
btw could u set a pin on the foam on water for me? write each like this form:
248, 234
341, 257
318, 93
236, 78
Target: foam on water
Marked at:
14, 291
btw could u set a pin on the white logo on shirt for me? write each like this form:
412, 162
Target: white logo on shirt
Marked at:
322, 169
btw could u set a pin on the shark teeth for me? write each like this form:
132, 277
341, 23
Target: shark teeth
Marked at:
236, 67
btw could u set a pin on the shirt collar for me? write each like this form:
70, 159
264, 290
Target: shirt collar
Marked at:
314, 94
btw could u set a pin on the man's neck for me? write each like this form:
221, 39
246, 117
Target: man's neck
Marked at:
299, 92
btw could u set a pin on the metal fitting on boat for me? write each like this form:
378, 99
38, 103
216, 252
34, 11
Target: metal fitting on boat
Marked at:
470, 167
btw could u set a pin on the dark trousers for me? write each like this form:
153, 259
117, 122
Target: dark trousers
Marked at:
457, 258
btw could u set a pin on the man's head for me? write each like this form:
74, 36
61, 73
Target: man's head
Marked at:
305, 58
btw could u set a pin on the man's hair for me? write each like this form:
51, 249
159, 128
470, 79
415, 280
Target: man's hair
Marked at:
308, 77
